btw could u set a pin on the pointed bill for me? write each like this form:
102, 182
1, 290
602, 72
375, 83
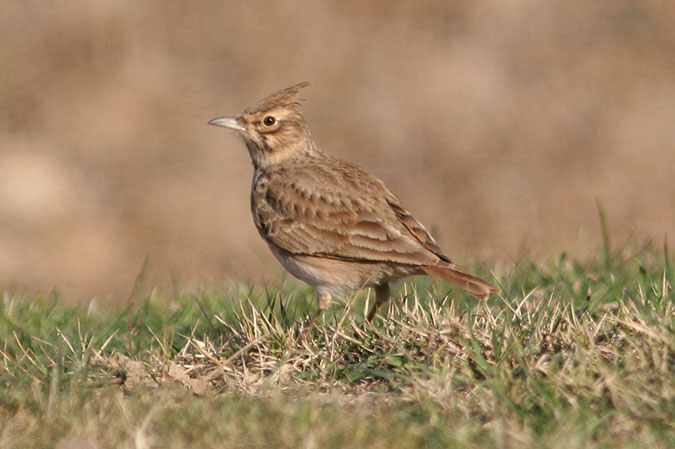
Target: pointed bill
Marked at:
227, 122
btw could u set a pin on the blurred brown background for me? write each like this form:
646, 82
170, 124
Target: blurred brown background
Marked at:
498, 123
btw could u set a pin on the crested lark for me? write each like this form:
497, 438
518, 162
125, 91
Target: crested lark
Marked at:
329, 222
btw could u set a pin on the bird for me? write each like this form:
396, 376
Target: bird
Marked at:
329, 222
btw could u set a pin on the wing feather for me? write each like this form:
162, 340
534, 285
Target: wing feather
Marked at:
336, 209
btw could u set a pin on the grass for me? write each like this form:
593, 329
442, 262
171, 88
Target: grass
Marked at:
571, 354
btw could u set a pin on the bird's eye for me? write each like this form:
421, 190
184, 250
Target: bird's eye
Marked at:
269, 120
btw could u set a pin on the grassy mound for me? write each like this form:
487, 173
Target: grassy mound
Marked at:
571, 354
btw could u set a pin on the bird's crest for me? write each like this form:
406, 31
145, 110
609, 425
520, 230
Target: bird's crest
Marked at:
285, 98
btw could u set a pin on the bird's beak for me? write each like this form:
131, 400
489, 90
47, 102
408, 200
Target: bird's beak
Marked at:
227, 122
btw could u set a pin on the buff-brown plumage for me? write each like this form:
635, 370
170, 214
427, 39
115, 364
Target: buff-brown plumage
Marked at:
329, 222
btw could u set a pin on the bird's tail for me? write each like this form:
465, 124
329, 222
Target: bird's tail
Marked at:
461, 278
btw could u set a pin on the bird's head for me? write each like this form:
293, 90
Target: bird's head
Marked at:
273, 129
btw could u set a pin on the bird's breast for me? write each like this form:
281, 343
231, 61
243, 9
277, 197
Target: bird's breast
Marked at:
259, 206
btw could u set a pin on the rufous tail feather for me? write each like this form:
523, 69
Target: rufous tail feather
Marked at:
461, 278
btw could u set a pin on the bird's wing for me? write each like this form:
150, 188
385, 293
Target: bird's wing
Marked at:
342, 212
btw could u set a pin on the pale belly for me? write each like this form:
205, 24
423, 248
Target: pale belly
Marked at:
339, 276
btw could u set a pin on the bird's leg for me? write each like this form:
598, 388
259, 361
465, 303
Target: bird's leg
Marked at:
381, 296
324, 302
